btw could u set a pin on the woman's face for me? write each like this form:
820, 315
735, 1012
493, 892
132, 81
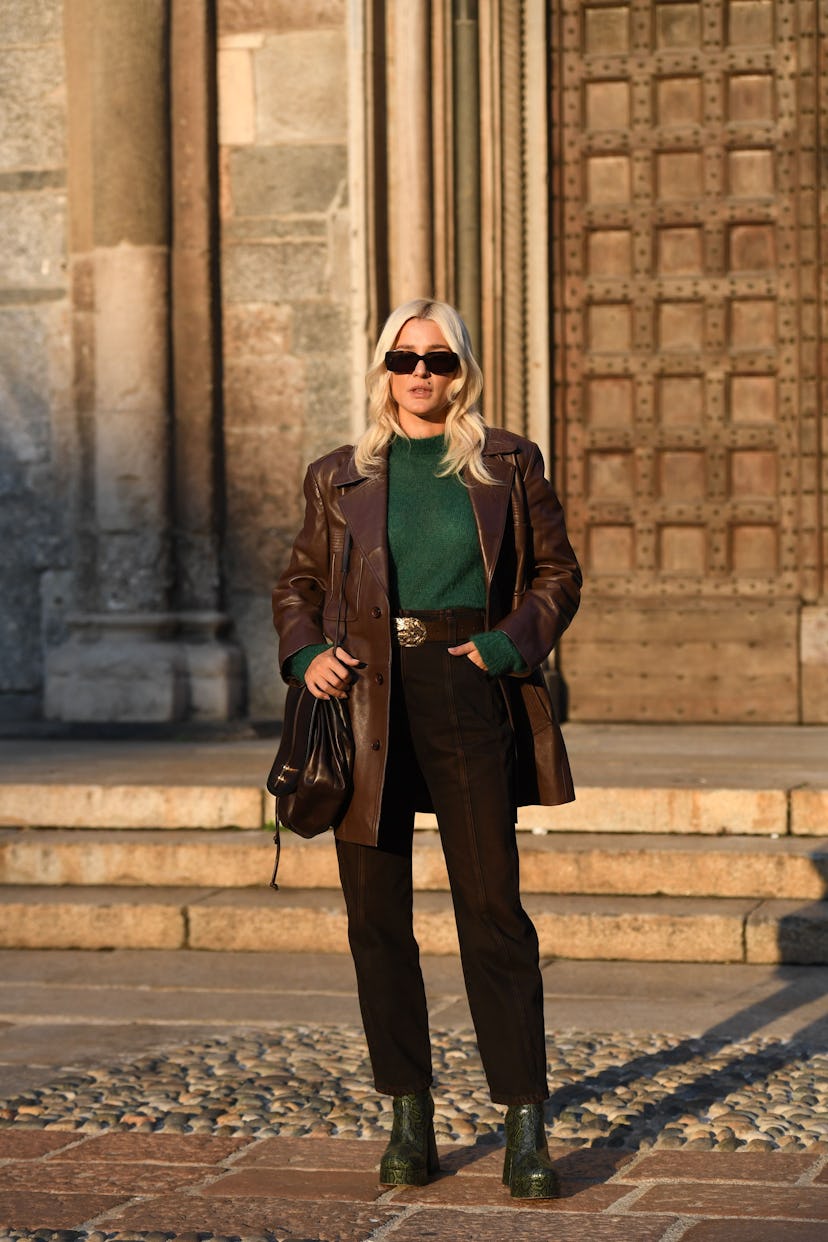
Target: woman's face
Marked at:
422, 398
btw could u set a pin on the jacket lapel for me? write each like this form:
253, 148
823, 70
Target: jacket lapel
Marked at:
364, 504
491, 502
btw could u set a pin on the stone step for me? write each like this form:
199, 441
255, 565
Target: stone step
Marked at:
560, 863
604, 928
645, 808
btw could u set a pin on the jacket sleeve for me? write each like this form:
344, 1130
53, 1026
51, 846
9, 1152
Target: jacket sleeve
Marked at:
553, 587
299, 595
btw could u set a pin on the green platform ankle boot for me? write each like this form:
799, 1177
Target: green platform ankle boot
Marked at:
527, 1169
411, 1156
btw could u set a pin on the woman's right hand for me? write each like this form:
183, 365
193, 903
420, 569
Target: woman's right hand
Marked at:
329, 674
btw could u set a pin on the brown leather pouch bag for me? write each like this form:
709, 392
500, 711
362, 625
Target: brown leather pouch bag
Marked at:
311, 775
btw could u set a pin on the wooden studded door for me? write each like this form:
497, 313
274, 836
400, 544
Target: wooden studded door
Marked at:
686, 354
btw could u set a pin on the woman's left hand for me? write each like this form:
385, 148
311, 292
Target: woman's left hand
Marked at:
469, 649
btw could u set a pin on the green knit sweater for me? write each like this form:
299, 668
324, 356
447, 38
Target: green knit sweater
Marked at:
433, 550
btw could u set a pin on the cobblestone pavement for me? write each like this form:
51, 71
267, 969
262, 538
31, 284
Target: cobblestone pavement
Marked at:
612, 1091
278, 1137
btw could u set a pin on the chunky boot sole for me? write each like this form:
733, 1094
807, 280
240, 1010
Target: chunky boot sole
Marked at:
531, 1183
396, 1172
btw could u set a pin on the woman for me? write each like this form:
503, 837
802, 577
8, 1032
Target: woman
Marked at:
460, 582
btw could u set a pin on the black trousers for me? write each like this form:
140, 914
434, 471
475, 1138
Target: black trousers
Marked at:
450, 733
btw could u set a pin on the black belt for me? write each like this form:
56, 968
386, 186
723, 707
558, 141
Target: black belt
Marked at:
450, 625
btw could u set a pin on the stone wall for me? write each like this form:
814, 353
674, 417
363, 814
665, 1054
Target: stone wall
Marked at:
285, 289
35, 378
685, 428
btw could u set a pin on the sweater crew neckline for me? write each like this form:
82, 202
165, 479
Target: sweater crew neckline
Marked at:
427, 446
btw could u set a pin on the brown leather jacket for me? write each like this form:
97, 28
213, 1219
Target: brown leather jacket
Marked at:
533, 583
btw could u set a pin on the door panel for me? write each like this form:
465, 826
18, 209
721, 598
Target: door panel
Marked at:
686, 291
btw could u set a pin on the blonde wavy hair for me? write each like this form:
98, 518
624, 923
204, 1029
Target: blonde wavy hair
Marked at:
465, 430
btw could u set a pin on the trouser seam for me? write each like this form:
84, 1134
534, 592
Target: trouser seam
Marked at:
495, 931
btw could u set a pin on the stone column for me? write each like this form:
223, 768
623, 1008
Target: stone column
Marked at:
214, 666
411, 259
538, 311
120, 662
466, 148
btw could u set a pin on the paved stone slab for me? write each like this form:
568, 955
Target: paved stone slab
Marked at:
564, 863
613, 755
646, 929
641, 929
726, 1167
682, 866
809, 811
180, 973
163, 762
250, 920
66, 805
92, 918
173, 859
343, 1184
787, 931
81, 1044
598, 809
763, 1202
16, 1078
449, 1225
200, 1149
31, 1144
652, 809
603, 927
279, 1219
25, 1209
575, 1166
750, 1231
477, 1192
190, 986
356, 1155
119, 1005
88, 1176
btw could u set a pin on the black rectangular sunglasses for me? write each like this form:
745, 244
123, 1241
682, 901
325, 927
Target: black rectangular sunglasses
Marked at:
437, 361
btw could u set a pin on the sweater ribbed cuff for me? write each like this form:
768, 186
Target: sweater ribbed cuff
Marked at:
298, 664
500, 655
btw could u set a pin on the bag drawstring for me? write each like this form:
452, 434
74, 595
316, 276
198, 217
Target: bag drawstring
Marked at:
277, 841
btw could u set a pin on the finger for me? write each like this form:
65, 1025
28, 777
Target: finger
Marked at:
342, 673
316, 692
463, 649
320, 690
331, 680
342, 654
322, 684
469, 650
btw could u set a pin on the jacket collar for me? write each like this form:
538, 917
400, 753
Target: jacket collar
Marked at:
499, 441
347, 473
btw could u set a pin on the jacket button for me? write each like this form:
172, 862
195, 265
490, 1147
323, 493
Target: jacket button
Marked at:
376, 612
375, 745
379, 679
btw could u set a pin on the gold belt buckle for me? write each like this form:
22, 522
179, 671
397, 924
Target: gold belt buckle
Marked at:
411, 631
